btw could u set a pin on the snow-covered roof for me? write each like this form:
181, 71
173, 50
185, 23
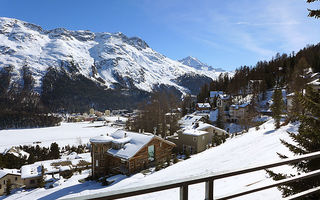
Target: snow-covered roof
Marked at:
194, 132
53, 166
31, 171
4, 172
135, 142
121, 140
101, 139
188, 120
224, 96
203, 105
16, 152
202, 126
215, 93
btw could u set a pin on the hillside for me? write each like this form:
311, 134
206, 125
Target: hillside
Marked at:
254, 147
111, 64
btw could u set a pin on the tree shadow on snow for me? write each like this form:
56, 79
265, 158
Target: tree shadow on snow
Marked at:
269, 132
91, 185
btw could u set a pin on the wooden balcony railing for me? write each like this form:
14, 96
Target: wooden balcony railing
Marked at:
209, 180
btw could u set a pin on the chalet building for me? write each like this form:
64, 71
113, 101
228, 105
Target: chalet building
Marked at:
203, 106
223, 102
196, 138
127, 152
238, 112
214, 95
31, 175
9, 175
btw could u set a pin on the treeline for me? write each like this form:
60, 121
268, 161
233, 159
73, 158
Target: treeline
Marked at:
281, 70
21, 106
159, 114
64, 89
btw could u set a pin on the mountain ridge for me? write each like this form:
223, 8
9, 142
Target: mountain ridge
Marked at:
112, 61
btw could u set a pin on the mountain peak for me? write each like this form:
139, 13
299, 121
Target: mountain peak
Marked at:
193, 62
197, 64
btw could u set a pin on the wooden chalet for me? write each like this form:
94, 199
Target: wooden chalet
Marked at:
127, 152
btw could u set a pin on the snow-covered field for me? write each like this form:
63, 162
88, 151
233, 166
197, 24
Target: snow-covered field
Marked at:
67, 133
255, 147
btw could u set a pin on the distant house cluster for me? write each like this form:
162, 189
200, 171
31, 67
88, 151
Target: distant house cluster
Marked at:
196, 137
30, 176
314, 84
231, 108
10, 176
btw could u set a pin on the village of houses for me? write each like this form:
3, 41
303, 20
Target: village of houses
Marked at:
126, 152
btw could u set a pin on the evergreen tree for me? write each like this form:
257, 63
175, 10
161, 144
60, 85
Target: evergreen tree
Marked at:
296, 109
277, 106
54, 151
42, 180
307, 141
220, 120
313, 13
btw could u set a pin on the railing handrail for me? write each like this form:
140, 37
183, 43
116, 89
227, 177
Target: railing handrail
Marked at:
114, 194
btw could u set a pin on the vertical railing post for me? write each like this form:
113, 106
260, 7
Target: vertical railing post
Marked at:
209, 190
184, 192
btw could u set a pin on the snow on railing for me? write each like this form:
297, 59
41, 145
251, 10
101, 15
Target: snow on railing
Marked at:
209, 179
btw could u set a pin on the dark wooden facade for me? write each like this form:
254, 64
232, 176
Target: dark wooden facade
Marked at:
104, 163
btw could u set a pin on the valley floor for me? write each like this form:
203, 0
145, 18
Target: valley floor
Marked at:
255, 147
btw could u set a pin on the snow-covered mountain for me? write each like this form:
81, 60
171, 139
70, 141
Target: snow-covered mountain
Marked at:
197, 64
112, 60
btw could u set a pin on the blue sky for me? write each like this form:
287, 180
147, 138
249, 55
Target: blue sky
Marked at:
224, 34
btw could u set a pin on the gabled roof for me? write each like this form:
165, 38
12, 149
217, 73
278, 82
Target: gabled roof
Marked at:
194, 132
224, 96
132, 143
101, 139
4, 172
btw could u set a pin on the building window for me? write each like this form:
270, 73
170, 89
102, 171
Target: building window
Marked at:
16, 178
97, 163
32, 181
194, 139
151, 153
4, 182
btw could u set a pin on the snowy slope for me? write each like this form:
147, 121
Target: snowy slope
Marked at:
254, 147
114, 58
66, 134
